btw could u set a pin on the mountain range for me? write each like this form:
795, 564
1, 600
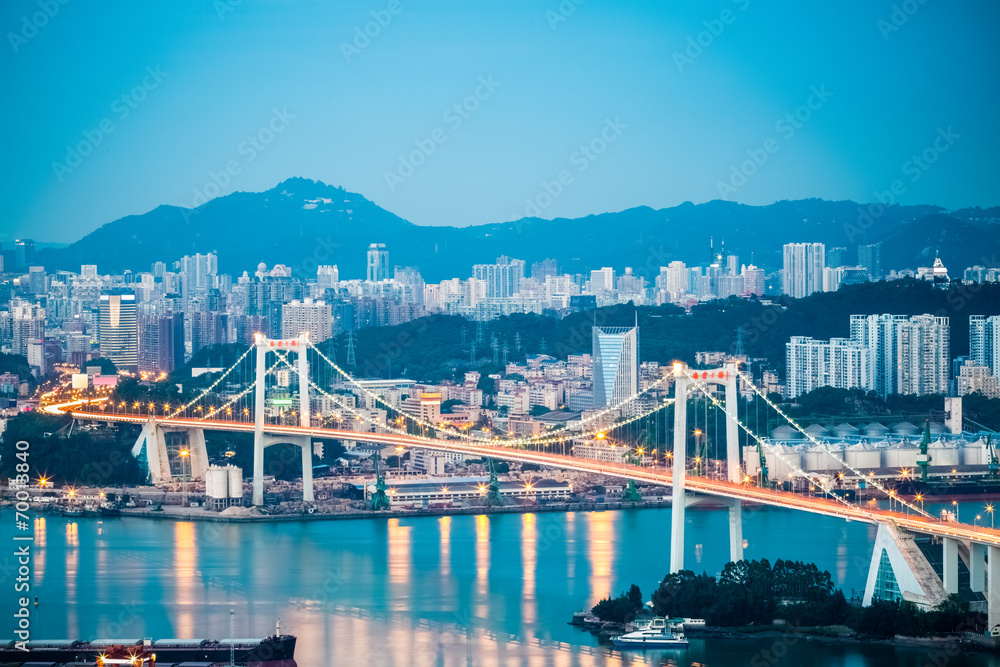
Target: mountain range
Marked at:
302, 223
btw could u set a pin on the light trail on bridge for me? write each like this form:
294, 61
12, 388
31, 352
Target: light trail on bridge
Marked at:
652, 475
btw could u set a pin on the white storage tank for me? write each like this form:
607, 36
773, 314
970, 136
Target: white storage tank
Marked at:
943, 454
235, 482
219, 477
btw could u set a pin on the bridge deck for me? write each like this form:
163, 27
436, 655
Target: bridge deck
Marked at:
655, 475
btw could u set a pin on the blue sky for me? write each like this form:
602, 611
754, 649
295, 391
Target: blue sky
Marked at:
666, 120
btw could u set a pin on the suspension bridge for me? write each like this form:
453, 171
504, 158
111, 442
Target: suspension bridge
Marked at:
275, 397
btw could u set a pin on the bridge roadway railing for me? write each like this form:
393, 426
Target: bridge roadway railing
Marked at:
661, 476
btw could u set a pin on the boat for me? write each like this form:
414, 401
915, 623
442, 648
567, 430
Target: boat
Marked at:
273, 651
656, 633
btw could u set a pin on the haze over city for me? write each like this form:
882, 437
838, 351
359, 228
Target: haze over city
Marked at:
563, 332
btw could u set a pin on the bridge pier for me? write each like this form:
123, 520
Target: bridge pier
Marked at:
949, 565
977, 567
735, 530
993, 588
156, 443
727, 376
680, 463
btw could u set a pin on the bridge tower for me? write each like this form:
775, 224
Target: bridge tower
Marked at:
261, 440
726, 376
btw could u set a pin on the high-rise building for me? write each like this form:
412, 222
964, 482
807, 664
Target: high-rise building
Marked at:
24, 254
803, 269
836, 257
161, 343
327, 276
870, 257
616, 364
503, 279
984, 342
544, 269
208, 328
753, 280
838, 362
602, 280
36, 279
378, 262
119, 334
878, 334
307, 316
197, 273
924, 355
907, 355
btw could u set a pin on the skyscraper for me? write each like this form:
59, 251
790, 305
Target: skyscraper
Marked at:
161, 343
503, 279
616, 364
378, 262
803, 269
119, 334
924, 355
312, 317
984, 342
878, 334
24, 254
870, 257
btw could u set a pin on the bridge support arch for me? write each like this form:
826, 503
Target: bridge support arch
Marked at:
264, 345
726, 376
159, 449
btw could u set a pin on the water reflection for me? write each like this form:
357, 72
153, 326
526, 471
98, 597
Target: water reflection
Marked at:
399, 554
482, 565
444, 524
185, 562
39, 572
600, 551
529, 560
506, 579
72, 567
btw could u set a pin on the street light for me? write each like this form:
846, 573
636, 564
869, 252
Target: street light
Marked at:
989, 508
955, 504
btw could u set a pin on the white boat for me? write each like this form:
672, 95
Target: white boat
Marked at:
657, 633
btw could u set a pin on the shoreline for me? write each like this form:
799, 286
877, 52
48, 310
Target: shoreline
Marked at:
832, 634
208, 516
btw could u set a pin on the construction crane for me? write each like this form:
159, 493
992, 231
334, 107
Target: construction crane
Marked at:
379, 499
493, 497
923, 459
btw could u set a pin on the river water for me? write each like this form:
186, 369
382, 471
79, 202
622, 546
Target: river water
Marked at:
470, 590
